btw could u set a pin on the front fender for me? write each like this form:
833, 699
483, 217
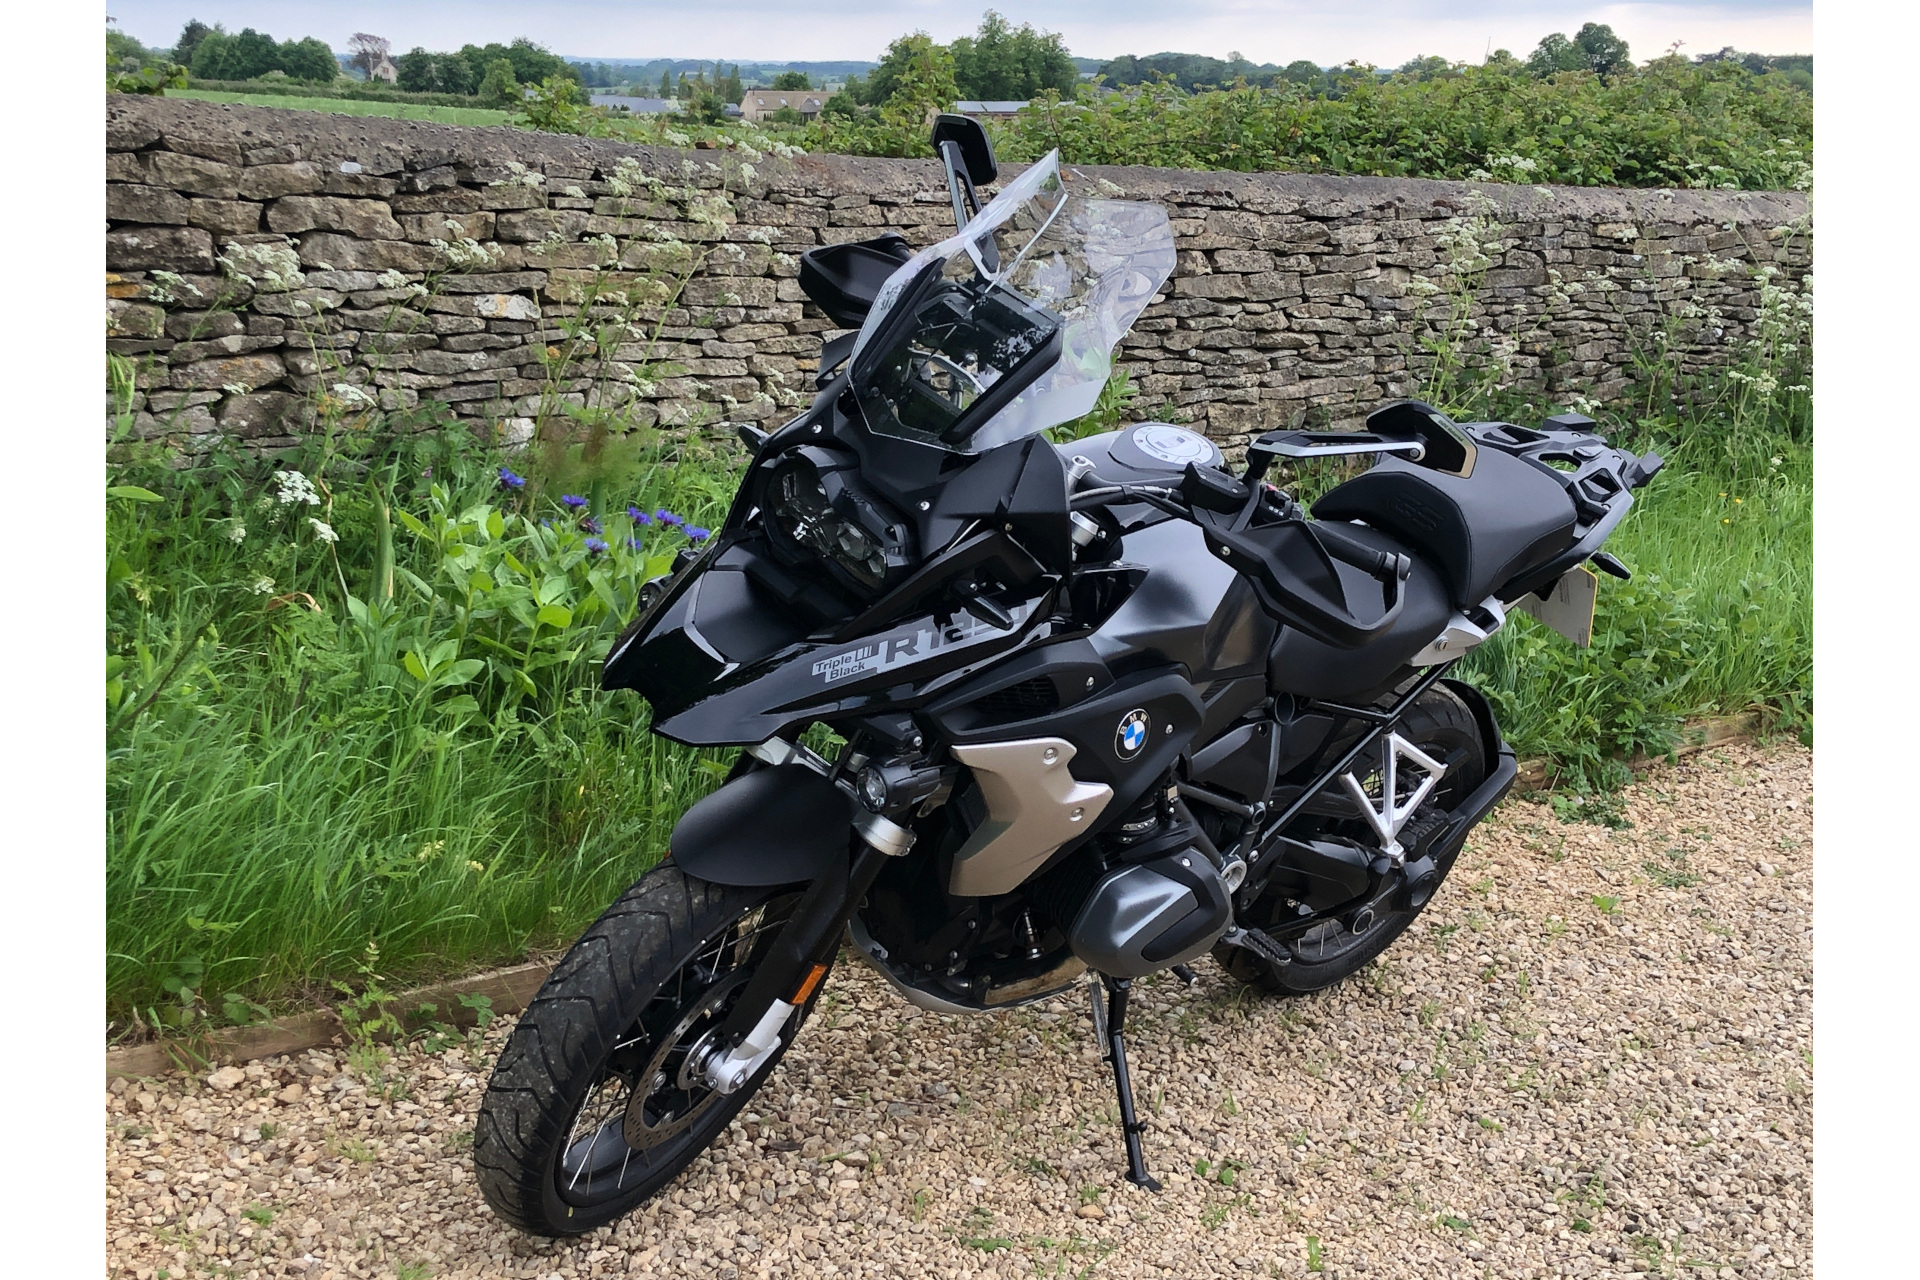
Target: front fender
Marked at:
785, 825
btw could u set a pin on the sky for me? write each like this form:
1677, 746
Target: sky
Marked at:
1381, 32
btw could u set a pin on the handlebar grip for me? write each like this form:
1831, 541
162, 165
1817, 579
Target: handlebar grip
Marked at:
1368, 560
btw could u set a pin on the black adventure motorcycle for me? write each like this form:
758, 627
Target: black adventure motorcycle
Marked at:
1105, 705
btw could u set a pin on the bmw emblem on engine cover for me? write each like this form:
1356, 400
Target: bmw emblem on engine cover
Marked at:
1132, 734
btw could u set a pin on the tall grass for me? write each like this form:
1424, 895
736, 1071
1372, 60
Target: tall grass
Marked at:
435, 113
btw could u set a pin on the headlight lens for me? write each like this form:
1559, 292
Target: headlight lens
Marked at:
805, 517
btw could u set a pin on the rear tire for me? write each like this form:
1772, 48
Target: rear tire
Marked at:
655, 973
1443, 726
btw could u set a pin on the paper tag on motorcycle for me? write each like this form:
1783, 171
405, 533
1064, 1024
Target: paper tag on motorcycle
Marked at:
1569, 605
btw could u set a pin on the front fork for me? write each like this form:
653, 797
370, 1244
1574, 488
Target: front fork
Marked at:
800, 954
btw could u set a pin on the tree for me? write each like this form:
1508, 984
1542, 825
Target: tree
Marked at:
736, 90
190, 37
367, 52
499, 86
1596, 48
1605, 52
666, 83
683, 90
416, 71
1503, 61
454, 74
245, 56
917, 61
791, 80
310, 60
1430, 67
1000, 62
1304, 73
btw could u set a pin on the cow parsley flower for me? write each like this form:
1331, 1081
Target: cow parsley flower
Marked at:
295, 489
262, 586
322, 530
236, 533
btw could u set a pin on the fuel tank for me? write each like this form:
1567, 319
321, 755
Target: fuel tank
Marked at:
1191, 609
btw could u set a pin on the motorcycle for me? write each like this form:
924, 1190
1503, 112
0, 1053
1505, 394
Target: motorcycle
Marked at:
1016, 713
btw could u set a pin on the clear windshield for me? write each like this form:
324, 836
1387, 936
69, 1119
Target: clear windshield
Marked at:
1009, 327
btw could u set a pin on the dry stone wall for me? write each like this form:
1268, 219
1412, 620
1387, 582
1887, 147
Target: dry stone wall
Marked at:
260, 261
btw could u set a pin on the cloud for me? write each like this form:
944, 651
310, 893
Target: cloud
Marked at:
1384, 32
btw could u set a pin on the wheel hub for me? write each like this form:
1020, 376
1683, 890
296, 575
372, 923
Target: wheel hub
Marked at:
671, 1091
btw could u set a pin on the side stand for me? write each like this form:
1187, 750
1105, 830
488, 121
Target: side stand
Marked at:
1110, 1024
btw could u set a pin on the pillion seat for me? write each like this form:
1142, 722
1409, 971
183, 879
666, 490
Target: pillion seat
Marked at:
1505, 518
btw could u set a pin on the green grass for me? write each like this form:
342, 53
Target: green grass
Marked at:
282, 793
1717, 620
352, 107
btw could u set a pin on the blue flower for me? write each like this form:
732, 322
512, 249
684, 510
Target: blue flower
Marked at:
668, 518
638, 516
508, 480
573, 500
698, 534
596, 545
590, 525
633, 544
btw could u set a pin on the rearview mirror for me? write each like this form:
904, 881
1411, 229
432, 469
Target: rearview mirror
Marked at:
976, 149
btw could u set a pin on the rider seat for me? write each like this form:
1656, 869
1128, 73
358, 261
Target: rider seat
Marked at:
1505, 518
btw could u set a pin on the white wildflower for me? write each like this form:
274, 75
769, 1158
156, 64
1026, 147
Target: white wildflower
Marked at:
272, 268
322, 530
390, 279
262, 586
675, 138
167, 287
295, 489
573, 192
236, 533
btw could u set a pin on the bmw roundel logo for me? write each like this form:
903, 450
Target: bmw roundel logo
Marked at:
1132, 734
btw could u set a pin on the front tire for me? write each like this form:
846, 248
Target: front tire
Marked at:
1439, 723
561, 1145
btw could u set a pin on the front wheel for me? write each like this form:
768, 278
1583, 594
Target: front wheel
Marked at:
1440, 724
597, 1102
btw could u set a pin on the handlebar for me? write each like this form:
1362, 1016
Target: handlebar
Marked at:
1288, 560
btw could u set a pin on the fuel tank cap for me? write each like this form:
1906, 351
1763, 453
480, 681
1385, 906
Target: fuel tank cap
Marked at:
1161, 446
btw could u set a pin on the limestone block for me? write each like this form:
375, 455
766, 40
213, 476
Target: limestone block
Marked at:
348, 254
134, 319
136, 202
271, 181
225, 217
363, 219
259, 413
141, 248
252, 371
192, 174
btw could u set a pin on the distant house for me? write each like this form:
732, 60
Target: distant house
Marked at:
758, 104
384, 70
995, 109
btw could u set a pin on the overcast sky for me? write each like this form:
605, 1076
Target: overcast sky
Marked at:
1383, 32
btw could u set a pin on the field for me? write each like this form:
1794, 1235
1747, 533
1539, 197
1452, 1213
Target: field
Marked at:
352, 107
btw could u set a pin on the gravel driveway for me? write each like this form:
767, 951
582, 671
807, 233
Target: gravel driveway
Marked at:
1589, 1058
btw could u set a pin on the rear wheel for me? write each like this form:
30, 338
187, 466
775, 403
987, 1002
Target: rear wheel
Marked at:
597, 1101
1441, 725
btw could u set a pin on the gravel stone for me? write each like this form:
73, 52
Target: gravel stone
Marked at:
1620, 1092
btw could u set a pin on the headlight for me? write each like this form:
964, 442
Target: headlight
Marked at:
819, 516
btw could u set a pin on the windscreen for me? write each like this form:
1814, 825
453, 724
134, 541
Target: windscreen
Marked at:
1009, 327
